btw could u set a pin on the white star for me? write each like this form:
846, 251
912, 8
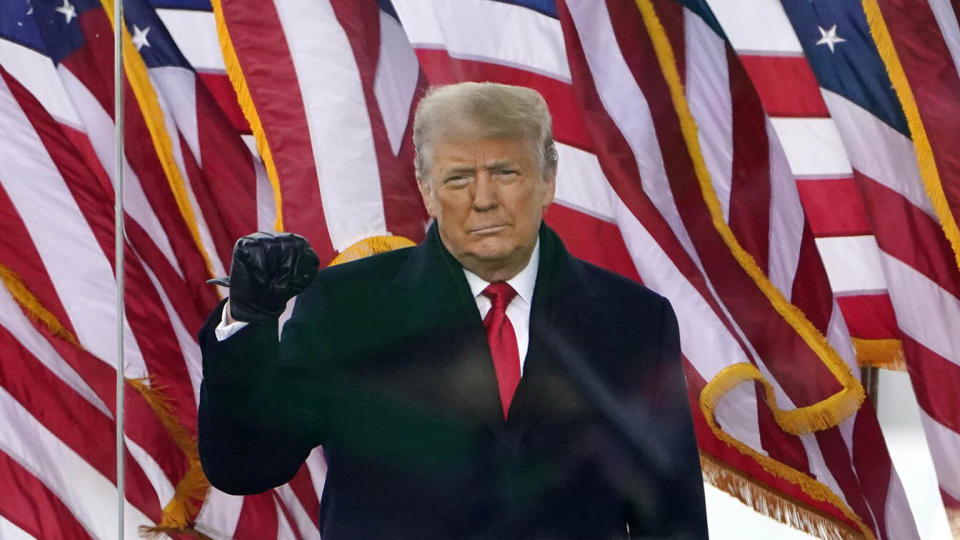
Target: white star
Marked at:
68, 10
829, 37
140, 37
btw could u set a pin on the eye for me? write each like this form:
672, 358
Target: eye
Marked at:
456, 180
507, 174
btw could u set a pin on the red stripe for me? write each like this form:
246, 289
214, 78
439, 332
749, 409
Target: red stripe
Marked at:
907, 233
272, 80
935, 83
568, 123
811, 289
802, 374
749, 215
218, 83
779, 445
949, 501
936, 382
258, 518
786, 85
286, 516
302, 487
620, 168
594, 240
872, 462
72, 419
27, 503
402, 206
836, 455
834, 207
869, 316
227, 194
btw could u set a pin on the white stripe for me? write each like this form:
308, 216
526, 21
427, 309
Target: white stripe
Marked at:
155, 475
878, 151
628, 108
83, 280
89, 495
736, 414
195, 33
396, 79
38, 75
925, 311
266, 205
947, 22
340, 131
284, 529
813, 147
9, 531
219, 514
14, 321
708, 93
756, 25
900, 522
98, 126
852, 263
177, 92
305, 524
944, 446
317, 465
786, 218
581, 184
496, 32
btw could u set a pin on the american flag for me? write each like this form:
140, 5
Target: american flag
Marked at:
751, 162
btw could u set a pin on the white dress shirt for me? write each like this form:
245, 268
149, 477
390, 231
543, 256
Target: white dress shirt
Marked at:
518, 311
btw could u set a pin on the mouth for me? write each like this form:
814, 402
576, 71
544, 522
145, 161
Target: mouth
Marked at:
488, 229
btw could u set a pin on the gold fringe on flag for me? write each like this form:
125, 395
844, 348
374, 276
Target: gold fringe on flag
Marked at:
31, 304
192, 488
880, 353
245, 100
139, 80
371, 246
818, 416
925, 159
730, 377
953, 519
773, 504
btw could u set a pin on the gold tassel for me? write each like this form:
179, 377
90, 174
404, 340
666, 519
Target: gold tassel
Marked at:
33, 308
880, 353
245, 100
953, 519
921, 143
772, 504
371, 246
823, 414
146, 97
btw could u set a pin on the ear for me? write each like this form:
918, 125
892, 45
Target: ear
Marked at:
426, 193
549, 189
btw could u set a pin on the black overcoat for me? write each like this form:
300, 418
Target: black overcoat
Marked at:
385, 363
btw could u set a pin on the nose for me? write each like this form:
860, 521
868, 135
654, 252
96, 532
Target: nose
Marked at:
484, 192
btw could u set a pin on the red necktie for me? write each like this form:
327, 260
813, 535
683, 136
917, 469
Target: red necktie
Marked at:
503, 341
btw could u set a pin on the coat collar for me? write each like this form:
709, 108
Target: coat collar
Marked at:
438, 301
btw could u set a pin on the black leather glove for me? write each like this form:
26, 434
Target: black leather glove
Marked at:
267, 270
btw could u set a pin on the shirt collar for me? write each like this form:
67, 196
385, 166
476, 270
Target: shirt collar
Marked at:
523, 283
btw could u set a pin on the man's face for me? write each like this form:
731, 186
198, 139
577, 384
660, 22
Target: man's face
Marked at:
488, 198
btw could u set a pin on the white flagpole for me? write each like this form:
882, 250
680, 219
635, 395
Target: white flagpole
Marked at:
118, 245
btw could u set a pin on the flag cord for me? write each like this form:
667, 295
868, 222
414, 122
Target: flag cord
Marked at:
118, 246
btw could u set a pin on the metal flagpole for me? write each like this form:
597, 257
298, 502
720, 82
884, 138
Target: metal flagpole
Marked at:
118, 244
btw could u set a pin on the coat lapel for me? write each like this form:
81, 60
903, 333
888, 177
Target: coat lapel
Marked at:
441, 314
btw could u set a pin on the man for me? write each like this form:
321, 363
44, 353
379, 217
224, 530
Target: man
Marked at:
484, 384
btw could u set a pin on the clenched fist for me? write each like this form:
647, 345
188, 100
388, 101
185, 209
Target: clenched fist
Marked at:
267, 270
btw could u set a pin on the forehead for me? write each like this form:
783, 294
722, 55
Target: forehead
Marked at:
458, 151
